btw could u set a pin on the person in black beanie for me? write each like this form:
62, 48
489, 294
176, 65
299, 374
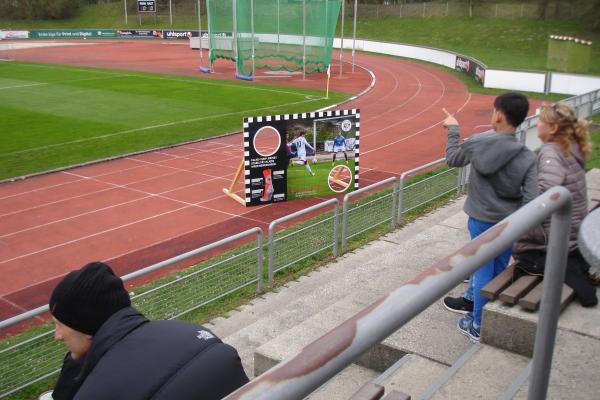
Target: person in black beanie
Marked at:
116, 353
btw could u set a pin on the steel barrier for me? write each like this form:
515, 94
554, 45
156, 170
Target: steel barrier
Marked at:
428, 189
319, 361
371, 210
34, 359
308, 236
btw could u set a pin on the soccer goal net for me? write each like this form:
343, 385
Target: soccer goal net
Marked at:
290, 35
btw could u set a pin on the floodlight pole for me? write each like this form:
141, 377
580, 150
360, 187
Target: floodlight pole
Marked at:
125, 2
303, 39
354, 33
342, 39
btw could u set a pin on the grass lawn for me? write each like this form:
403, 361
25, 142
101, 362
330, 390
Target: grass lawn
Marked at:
55, 116
497, 42
302, 184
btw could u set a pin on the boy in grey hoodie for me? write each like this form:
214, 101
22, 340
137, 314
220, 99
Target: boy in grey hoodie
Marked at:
503, 178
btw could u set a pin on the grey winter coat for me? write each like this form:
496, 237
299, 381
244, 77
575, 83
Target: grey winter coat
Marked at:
556, 169
503, 173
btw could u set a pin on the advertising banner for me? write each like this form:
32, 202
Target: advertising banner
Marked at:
471, 67
14, 34
72, 33
139, 33
295, 156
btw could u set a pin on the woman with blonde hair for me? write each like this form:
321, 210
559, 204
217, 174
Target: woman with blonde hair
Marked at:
561, 161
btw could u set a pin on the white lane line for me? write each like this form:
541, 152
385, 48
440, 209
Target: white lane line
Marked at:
145, 128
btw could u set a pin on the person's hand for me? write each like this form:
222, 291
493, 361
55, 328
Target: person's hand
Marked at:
450, 120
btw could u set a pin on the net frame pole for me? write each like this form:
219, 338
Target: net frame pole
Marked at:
278, 20
125, 5
200, 34
342, 38
252, 32
209, 27
354, 33
171, 12
235, 41
303, 39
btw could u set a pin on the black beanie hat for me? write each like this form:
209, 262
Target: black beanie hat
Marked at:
87, 297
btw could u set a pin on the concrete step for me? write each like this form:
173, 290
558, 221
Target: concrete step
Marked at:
512, 328
344, 384
432, 335
486, 375
575, 366
378, 267
413, 377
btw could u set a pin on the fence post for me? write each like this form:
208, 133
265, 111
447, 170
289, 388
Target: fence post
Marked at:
363, 190
270, 268
400, 198
259, 253
336, 232
394, 204
554, 276
271, 263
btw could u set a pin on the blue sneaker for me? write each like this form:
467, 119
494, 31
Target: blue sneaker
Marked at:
467, 327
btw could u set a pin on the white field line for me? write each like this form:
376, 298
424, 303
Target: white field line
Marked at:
63, 81
196, 80
418, 132
431, 105
145, 128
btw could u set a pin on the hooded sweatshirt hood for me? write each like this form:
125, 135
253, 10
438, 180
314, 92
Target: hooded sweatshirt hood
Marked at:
503, 172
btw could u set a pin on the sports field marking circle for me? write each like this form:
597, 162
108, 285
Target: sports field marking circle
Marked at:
339, 179
267, 141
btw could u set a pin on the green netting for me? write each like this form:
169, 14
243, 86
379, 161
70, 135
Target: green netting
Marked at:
274, 34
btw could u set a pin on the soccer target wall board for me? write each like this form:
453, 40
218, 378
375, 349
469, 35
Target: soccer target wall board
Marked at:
295, 156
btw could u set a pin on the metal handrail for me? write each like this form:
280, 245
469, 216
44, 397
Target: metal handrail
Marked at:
299, 375
144, 271
274, 223
346, 201
403, 179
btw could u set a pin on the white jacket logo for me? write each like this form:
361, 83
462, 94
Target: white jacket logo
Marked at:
205, 335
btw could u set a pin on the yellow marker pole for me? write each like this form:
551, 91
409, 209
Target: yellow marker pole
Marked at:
328, 76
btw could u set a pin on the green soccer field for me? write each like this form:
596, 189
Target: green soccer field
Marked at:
55, 116
302, 184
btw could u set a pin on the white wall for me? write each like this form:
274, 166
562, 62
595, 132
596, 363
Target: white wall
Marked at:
573, 83
435, 56
495, 79
515, 80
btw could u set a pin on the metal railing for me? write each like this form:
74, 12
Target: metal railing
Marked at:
585, 105
428, 189
367, 215
318, 235
34, 359
319, 361
24, 363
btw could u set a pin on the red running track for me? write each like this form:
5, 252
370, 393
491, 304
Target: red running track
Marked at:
138, 210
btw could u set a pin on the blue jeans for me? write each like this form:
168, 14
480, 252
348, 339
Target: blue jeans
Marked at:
487, 271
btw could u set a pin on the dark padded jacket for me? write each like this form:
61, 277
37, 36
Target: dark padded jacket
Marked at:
132, 358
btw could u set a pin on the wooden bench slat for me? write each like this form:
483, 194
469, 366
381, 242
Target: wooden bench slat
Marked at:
519, 288
531, 302
499, 283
